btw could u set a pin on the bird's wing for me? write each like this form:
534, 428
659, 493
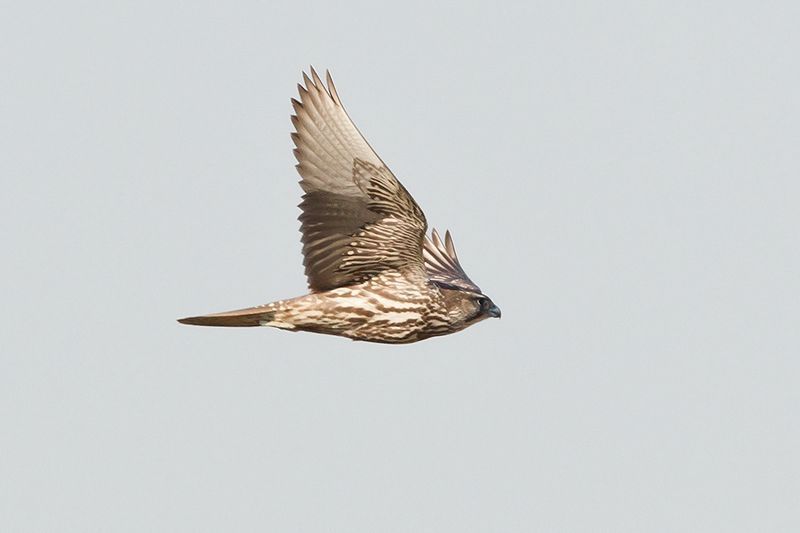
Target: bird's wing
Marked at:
357, 220
441, 263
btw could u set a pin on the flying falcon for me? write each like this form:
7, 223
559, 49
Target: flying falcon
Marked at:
373, 273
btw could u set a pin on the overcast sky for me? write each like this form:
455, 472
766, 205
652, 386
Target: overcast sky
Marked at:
621, 179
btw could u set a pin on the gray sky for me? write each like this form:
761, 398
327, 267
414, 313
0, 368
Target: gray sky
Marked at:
622, 180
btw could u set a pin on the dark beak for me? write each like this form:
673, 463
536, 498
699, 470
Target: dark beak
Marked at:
494, 311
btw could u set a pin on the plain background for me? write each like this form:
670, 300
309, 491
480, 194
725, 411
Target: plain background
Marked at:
621, 178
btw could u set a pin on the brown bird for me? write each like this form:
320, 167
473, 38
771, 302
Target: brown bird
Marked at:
373, 273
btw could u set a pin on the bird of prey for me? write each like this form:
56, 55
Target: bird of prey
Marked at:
373, 273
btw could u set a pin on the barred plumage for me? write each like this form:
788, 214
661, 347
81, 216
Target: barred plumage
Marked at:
373, 273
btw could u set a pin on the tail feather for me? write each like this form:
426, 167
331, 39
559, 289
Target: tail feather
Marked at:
241, 318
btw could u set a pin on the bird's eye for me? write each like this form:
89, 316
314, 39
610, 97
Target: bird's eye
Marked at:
483, 302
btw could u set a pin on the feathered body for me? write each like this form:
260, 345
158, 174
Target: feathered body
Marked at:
373, 273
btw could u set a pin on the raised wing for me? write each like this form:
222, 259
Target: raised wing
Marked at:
357, 220
441, 263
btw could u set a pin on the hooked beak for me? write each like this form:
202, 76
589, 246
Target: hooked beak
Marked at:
494, 311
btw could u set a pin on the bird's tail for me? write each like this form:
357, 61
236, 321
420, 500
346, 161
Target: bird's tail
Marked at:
250, 317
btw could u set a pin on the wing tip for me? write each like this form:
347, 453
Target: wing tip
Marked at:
442, 261
314, 83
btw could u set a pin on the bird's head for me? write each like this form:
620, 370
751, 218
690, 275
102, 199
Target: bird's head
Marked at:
466, 308
482, 308
487, 309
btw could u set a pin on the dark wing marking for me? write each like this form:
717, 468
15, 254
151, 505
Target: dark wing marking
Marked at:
357, 220
441, 263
